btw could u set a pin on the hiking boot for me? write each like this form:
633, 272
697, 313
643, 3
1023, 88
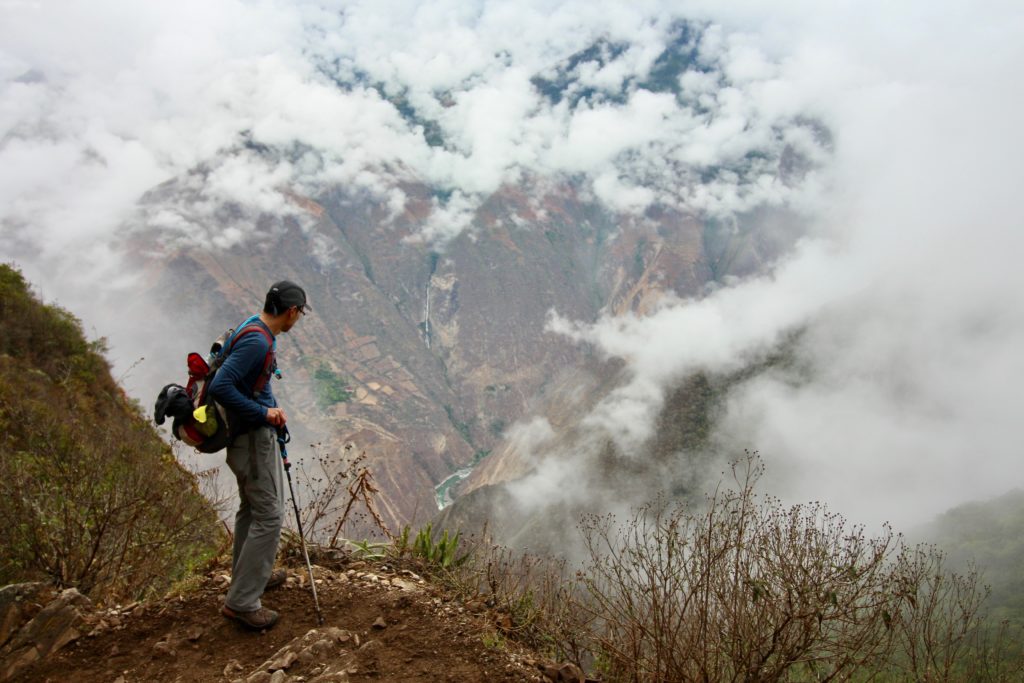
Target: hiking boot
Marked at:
257, 620
277, 577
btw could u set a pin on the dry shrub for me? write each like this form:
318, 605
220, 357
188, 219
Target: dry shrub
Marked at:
742, 588
342, 497
746, 589
90, 503
940, 629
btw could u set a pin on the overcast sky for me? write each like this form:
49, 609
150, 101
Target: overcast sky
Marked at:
907, 116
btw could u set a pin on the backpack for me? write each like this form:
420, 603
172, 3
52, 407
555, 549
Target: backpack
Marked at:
198, 420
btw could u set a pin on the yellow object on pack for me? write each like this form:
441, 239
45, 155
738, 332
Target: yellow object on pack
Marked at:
206, 420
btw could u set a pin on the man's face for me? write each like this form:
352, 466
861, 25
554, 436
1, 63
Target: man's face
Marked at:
294, 313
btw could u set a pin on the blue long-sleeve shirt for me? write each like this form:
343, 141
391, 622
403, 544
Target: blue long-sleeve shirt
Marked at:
233, 384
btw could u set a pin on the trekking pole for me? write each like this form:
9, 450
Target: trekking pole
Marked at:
284, 437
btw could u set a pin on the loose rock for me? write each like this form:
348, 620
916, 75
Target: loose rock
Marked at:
18, 603
283, 661
233, 667
62, 621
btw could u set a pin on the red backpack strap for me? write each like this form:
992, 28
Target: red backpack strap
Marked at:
268, 361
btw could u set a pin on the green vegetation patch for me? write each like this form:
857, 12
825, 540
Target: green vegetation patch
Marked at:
463, 428
331, 388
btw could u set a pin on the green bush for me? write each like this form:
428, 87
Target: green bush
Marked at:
331, 388
439, 554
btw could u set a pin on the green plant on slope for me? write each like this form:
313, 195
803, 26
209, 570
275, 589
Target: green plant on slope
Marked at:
368, 550
442, 553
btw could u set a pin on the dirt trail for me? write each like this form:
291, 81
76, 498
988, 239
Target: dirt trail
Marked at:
388, 626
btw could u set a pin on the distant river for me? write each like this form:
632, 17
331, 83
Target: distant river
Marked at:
442, 492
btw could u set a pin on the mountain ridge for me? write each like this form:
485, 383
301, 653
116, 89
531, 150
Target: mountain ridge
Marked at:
443, 348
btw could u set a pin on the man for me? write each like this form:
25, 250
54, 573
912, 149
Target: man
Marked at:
242, 386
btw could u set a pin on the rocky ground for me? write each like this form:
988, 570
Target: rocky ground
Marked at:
380, 624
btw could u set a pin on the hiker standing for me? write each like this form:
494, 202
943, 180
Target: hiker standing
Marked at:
242, 387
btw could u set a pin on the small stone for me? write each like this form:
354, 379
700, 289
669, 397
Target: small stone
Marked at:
232, 667
283, 661
258, 677
371, 645
407, 586
338, 634
279, 677
194, 633
321, 649
164, 648
380, 623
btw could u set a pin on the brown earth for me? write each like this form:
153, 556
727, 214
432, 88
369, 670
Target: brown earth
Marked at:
384, 625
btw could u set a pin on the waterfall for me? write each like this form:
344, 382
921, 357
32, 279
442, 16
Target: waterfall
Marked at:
426, 314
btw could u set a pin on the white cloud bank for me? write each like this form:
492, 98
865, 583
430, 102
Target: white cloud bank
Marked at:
101, 102
913, 309
907, 116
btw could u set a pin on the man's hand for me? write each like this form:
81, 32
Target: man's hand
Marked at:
276, 417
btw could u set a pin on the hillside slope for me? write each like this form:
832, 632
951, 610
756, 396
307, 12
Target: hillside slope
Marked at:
93, 499
426, 353
990, 536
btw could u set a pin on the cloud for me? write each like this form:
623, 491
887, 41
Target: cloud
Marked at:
368, 96
899, 124
448, 218
910, 305
723, 332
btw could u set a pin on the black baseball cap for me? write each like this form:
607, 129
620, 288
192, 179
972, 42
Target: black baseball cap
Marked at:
285, 294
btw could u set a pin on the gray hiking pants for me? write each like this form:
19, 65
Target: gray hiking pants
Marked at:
254, 459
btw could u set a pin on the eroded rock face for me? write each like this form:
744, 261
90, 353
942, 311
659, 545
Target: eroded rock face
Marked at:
62, 621
20, 602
